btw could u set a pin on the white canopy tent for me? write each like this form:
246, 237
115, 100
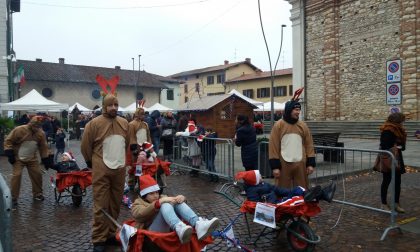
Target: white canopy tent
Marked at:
159, 107
132, 108
80, 107
267, 106
34, 101
237, 93
120, 109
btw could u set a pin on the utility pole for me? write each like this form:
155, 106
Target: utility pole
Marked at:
137, 82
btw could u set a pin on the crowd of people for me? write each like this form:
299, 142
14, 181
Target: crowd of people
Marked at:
110, 143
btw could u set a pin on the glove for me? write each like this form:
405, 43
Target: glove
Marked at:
47, 162
10, 156
134, 149
89, 164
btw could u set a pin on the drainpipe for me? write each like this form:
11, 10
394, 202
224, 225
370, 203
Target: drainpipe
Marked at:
305, 104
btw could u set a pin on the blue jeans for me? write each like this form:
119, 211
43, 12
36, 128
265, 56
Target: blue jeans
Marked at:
210, 163
156, 143
167, 217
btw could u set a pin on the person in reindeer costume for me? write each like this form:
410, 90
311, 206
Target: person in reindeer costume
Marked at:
21, 146
138, 133
103, 146
291, 148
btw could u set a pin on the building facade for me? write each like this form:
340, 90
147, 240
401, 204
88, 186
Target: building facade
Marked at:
340, 54
65, 83
3, 53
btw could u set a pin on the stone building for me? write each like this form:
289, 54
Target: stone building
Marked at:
340, 53
65, 83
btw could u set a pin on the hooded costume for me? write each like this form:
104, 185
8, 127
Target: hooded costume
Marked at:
103, 146
291, 148
21, 147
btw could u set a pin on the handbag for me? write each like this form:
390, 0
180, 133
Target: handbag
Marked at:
383, 162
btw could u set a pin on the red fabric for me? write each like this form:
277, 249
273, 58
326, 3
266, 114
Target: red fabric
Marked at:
166, 241
64, 180
308, 209
151, 168
258, 125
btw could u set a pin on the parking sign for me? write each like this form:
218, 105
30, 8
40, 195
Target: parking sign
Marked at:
393, 71
393, 93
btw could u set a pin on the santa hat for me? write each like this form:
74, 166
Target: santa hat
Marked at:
200, 138
148, 185
69, 155
191, 126
252, 177
147, 146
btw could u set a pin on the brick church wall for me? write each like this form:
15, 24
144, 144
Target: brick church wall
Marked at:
347, 46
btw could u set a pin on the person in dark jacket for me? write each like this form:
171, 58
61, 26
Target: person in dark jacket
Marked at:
246, 138
67, 164
393, 134
168, 124
208, 148
154, 129
59, 143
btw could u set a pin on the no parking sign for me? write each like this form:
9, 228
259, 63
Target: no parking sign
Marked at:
393, 93
393, 71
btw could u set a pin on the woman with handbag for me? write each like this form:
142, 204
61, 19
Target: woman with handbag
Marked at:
393, 138
168, 124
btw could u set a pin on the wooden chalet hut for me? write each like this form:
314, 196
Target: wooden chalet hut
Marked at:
219, 112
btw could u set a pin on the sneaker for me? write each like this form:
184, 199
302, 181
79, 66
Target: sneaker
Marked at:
385, 207
184, 232
205, 227
39, 198
399, 209
328, 192
313, 194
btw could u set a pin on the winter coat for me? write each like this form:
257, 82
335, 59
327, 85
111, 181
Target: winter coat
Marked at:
266, 192
208, 145
151, 122
68, 166
389, 140
168, 123
59, 140
246, 138
144, 212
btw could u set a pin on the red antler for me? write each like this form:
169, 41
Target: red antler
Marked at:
297, 94
113, 82
102, 82
141, 103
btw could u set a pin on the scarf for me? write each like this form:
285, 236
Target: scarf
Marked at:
397, 129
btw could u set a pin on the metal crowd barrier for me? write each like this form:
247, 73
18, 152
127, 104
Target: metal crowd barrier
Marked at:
223, 158
339, 164
5, 217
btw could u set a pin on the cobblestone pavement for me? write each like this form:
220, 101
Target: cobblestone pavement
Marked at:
46, 226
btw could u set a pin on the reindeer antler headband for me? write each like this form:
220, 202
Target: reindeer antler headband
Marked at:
297, 94
104, 83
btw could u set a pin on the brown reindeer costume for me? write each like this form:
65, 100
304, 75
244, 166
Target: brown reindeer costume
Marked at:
103, 146
291, 148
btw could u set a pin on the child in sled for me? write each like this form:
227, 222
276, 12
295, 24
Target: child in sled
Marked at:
67, 164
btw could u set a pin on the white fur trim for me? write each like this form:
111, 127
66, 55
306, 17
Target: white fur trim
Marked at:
257, 177
149, 189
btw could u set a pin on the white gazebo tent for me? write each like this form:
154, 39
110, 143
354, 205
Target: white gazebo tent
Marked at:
80, 107
267, 106
159, 107
237, 93
132, 108
34, 101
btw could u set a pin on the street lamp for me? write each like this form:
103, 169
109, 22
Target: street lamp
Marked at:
137, 82
134, 77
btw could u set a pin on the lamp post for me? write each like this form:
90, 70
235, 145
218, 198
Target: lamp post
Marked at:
134, 77
272, 79
137, 82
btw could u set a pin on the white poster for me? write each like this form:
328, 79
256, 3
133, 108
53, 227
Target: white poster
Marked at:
126, 233
139, 170
265, 215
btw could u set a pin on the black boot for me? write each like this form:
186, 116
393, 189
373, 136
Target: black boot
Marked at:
313, 193
328, 192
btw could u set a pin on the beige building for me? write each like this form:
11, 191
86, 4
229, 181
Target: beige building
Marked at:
65, 83
257, 85
211, 80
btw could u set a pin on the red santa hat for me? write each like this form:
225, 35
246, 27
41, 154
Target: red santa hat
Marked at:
191, 126
69, 155
252, 177
147, 146
148, 185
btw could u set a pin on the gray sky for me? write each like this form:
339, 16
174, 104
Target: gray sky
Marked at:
171, 35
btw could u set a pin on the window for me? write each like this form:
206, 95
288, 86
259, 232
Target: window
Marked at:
210, 80
170, 94
186, 99
185, 88
47, 92
280, 91
218, 93
290, 90
263, 92
221, 78
96, 94
227, 112
248, 93
197, 87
